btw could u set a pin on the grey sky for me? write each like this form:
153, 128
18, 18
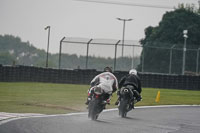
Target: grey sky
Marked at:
28, 18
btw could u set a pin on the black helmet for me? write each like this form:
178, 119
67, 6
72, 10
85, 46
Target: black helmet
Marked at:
108, 69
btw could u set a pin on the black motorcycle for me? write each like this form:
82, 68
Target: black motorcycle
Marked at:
98, 103
126, 101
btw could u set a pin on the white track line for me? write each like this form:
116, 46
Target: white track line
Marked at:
26, 115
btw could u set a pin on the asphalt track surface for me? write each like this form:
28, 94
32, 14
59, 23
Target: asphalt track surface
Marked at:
160, 119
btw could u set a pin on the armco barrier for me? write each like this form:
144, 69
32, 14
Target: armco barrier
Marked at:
84, 76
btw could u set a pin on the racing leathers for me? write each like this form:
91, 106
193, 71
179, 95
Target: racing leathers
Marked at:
106, 81
135, 83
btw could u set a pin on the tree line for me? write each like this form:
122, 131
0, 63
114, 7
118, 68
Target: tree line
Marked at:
169, 35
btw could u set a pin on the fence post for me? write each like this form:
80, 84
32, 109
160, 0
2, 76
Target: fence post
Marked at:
115, 54
86, 65
60, 52
197, 67
132, 58
170, 61
184, 50
143, 59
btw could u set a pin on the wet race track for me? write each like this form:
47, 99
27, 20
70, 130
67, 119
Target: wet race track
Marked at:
160, 119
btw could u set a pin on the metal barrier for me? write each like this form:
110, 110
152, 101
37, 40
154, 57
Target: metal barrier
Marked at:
84, 76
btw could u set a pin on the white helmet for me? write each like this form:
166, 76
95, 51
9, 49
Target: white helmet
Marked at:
133, 71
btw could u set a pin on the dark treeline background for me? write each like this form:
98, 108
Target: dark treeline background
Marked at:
159, 40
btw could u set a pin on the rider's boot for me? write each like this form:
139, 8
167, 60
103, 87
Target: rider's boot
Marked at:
118, 99
138, 96
117, 102
131, 105
88, 100
107, 99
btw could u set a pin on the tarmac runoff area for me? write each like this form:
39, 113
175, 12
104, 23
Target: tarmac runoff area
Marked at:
6, 117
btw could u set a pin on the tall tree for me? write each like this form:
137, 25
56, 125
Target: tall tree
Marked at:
159, 40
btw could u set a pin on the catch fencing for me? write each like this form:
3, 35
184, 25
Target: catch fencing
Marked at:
114, 50
151, 57
84, 76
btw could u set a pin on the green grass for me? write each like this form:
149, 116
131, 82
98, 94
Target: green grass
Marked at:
50, 98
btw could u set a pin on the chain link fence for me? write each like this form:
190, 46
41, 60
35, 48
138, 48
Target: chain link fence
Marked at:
169, 60
98, 53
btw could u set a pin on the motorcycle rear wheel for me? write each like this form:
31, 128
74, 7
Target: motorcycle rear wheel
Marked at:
94, 109
123, 106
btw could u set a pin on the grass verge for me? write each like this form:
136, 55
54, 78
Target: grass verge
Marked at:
48, 98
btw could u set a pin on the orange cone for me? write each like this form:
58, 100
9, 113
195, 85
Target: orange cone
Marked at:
158, 97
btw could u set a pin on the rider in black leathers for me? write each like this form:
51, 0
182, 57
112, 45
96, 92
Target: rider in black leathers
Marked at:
133, 80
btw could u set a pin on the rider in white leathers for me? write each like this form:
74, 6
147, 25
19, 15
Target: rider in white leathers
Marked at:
106, 81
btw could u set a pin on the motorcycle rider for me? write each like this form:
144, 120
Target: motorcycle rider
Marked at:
133, 80
106, 81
